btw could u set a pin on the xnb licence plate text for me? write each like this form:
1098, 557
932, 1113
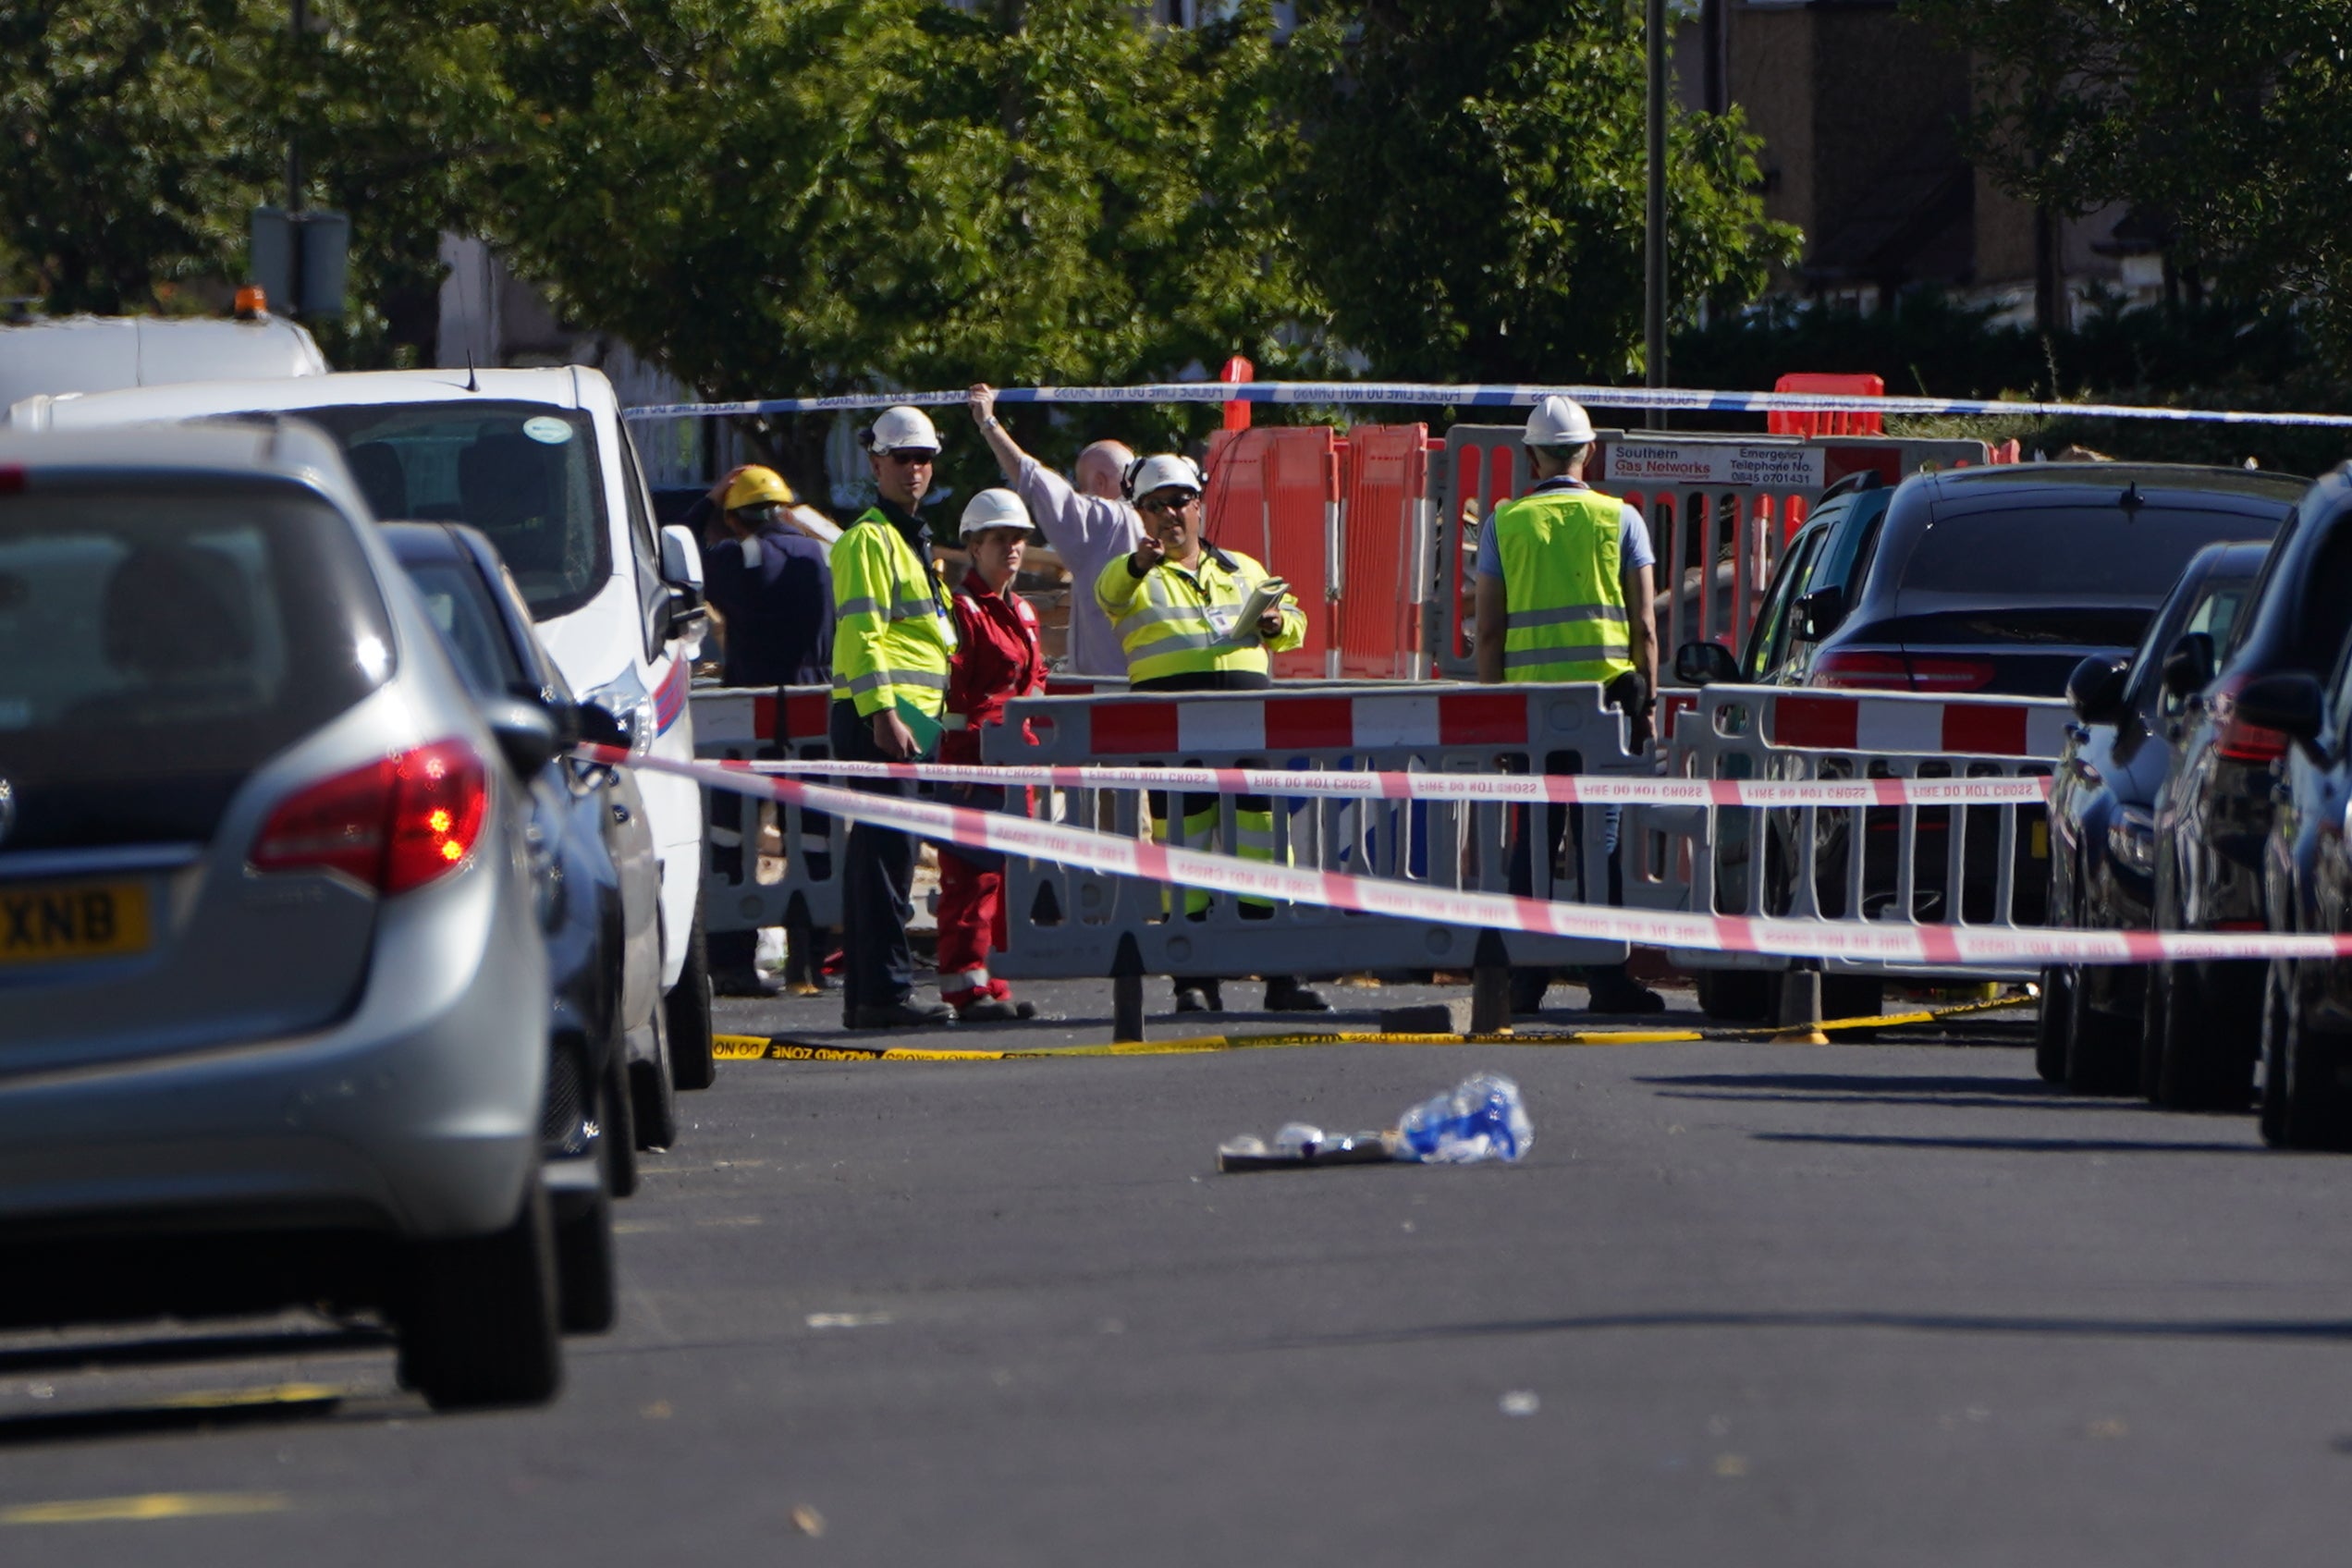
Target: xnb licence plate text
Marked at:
50, 923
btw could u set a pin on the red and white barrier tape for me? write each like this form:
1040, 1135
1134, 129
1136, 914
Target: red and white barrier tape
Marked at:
1564, 789
1885, 942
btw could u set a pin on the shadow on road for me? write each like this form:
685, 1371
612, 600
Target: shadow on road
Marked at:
2316, 1331
2014, 1146
1840, 1088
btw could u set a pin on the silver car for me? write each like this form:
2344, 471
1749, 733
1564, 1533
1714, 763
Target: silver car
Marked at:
272, 988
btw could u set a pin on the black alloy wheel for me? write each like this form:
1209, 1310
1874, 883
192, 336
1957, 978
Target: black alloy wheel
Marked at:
478, 1326
2053, 1026
2102, 1052
2315, 1112
2202, 1064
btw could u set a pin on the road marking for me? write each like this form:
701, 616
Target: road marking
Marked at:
848, 1319
244, 1399
148, 1506
779, 1048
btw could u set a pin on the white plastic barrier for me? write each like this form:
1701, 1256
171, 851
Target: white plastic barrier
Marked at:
1069, 920
1978, 864
738, 724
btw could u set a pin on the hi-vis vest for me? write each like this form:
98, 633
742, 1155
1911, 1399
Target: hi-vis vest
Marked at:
892, 630
1561, 588
1177, 622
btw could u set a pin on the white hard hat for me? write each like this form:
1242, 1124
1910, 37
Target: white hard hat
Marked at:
1147, 474
900, 427
992, 508
1559, 421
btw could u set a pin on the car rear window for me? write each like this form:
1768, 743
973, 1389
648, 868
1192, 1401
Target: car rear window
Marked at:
166, 643
459, 602
524, 473
2082, 556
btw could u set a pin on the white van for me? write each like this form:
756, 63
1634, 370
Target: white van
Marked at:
538, 459
109, 353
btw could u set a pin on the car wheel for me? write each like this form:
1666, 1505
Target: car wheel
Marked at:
588, 1297
2203, 1064
1734, 995
2314, 1113
2055, 1024
2278, 985
479, 1326
618, 1121
653, 1099
692, 1065
2102, 1052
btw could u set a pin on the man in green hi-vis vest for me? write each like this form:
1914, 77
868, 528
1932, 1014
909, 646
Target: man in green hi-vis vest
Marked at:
893, 638
1563, 595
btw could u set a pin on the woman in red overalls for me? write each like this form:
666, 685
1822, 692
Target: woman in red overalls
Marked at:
997, 659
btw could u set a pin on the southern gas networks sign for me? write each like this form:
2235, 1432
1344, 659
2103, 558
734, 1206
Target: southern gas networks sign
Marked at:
1766, 465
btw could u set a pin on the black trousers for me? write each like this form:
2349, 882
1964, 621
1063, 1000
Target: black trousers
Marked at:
877, 883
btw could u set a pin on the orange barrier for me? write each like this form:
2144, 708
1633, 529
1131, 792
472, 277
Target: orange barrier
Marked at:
1384, 476
1275, 495
1780, 422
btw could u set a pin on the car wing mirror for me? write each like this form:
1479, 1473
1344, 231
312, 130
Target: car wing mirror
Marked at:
597, 725
1702, 664
2290, 702
2188, 668
681, 559
525, 733
1819, 613
2095, 691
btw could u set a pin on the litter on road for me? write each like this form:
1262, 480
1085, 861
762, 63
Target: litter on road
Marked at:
1479, 1118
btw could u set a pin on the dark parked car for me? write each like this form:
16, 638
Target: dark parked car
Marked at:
2102, 824
2216, 810
1822, 563
2306, 1004
592, 857
2004, 579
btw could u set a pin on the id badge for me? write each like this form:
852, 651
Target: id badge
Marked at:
1222, 617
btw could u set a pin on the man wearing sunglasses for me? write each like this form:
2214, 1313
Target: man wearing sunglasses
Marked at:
1176, 605
894, 637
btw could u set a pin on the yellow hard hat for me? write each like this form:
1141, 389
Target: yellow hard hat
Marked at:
755, 486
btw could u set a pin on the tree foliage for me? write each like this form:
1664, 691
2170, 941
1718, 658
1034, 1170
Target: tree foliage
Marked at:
842, 193
1471, 192
2224, 118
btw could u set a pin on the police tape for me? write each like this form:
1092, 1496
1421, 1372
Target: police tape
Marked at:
1895, 942
1352, 784
1345, 394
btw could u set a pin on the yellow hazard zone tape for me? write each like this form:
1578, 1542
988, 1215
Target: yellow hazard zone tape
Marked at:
765, 1048
146, 1507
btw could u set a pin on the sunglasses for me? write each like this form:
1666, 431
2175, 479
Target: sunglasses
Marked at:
913, 456
1166, 504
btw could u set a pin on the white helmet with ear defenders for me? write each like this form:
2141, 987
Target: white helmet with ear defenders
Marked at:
900, 428
1147, 474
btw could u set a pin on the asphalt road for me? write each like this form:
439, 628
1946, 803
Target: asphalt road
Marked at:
1742, 1304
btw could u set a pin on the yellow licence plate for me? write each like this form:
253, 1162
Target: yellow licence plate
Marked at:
59, 922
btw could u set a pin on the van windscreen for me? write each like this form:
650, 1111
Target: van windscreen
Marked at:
524, 473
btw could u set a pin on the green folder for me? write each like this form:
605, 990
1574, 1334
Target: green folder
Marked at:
926, 729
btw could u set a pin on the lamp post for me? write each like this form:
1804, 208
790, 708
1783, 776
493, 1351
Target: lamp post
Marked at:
1653, 242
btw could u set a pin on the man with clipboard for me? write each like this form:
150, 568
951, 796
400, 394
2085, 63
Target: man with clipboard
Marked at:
1194, 618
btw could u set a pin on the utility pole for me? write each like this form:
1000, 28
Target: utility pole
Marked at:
293, 306
1654, 247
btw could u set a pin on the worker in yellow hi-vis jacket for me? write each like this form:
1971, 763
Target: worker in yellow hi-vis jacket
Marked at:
1175, 603
893, 634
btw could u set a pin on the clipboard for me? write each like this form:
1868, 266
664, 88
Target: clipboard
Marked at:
1268, 595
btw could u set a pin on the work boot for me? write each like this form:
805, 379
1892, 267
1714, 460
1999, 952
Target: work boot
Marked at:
1284, 994
997, 1010
745, 983
1621, 993
905, 1014
1199, 996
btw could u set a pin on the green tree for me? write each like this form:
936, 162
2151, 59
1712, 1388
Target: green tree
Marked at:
2225, 119
829, 194
127, 159
1471, 194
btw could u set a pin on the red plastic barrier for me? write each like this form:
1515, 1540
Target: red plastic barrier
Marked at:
1271, 495
1385, 474
1780, 422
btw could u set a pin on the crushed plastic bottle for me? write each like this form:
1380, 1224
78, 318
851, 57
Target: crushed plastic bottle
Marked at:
1480, 1118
